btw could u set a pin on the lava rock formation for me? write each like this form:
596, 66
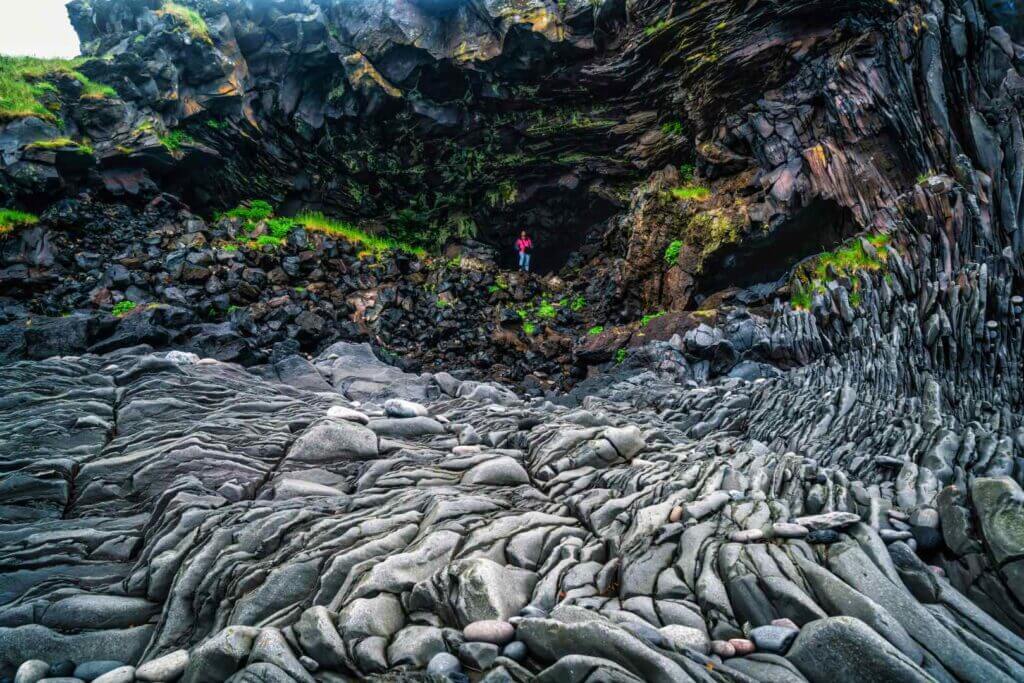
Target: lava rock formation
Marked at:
759, 416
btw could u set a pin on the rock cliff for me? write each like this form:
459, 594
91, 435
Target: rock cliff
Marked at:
767, 411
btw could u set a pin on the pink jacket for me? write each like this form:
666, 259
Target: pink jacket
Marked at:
524, 245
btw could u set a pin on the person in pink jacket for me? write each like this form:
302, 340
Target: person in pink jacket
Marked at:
524, 245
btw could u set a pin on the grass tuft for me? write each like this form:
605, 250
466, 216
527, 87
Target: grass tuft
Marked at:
845, 261
339, 229
122, 308
11, 219
672, 252
175, 139
696, 193
191, 19
24, 81
62, 143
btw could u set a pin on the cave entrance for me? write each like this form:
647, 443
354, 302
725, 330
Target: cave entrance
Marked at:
558, 220
820, 226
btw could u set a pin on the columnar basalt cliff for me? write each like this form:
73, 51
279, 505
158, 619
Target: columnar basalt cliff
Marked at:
277, 406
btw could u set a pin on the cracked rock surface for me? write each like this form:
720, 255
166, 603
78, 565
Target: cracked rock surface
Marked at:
166, 516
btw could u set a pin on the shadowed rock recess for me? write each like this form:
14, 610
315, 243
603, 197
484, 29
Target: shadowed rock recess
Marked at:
758, 418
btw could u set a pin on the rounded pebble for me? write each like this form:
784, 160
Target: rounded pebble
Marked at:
743, 646
490, 631
516, 651
444, 664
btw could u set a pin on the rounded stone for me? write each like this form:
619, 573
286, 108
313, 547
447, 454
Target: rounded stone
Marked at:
444, 664
88, 671
676, 514
723, 649
742, 646
773, 639
823, 537
516, 651
490, 631
31, 671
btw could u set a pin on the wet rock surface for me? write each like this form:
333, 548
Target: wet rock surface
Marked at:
800, 469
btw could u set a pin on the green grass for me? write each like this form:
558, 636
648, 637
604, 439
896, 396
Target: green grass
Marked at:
269, 241
339, 229
175, 140
845, 261
191, 19
595, 330
672, 128
672, 252
25, 80
696, 193
252, 211
61, 143
122, 308
546, 310
11, 219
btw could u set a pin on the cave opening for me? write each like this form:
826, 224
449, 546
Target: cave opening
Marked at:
820, 226
558, 219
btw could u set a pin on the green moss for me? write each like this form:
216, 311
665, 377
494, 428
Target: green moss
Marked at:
696, 193
175, 140
672, 128
709, 231
649, 317
595, 330
529, 328
546, 310
122, 308
578, 303
192, 20
620, 356
24, 81
62, 143
672, 252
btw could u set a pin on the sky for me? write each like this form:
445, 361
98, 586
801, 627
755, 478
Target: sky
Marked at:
36, 27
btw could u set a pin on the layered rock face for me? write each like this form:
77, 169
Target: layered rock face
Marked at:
807, 468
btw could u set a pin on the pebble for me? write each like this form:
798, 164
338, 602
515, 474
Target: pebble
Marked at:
444, 664
396, 407
479, 656
676, 514
516, 651
742, 646
723, 648
789, 530
773, 639
490, 631
823, 537
31, 671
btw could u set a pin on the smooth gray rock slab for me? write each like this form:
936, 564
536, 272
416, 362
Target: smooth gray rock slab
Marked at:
846, 650
828, 520
331, 441
166, 668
